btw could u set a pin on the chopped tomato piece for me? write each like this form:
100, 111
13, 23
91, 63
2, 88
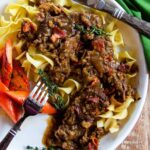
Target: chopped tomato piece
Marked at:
19, 80
7, 105
7, 63
29, 26
57, 34
99, 44
18, 96
48, 109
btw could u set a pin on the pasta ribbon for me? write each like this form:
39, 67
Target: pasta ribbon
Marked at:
9, 29
116, 38
70, 86
125, 55
38, 59
111, 125
3, 22
100, 123
121, 115
125, 105
67, 3
34, 61
131, 75
110, 26
130, 61
27, 66
23, 2
21, 10
111, 107
116, 111
108, 114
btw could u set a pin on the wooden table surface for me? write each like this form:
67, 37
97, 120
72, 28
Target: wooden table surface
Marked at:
139, 138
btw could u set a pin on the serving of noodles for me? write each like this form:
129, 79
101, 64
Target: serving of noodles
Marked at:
80, 51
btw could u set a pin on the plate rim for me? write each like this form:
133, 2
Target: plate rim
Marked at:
131, 126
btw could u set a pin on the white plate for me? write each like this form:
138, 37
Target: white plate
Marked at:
33, 128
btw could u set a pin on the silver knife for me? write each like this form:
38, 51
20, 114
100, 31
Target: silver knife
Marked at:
139, 24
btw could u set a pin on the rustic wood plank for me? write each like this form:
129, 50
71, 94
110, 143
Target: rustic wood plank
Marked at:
139, 139
148, 114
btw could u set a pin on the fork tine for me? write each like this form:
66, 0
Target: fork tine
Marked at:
45, 100
42, 95
40, 90
35, 89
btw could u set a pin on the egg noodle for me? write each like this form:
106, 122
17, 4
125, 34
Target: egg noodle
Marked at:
33, 60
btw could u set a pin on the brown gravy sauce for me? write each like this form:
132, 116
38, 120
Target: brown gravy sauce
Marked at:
50, 125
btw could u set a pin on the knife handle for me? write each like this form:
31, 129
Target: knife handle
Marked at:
141, 25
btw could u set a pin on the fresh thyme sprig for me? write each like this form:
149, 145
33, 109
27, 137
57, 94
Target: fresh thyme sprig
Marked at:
81, 28
55, 99
92, 30
52, 88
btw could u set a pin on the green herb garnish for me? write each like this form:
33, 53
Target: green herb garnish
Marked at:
36, 148
98, 31
52, 91
92, 30
80, 28
60, 102
52, 87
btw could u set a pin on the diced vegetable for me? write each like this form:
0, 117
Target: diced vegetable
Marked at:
99, 44
58, 34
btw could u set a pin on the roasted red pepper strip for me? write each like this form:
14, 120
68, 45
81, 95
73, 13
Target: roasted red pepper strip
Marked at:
7, 105
19, 80
48, 109
18, 96
3, 88
7, 63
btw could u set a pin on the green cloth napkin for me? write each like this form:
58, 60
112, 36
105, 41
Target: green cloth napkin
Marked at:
140, 9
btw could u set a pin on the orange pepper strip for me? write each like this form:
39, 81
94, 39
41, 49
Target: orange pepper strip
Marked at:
7, 105
7, 63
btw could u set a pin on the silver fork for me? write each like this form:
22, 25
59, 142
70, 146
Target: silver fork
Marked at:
33, 104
